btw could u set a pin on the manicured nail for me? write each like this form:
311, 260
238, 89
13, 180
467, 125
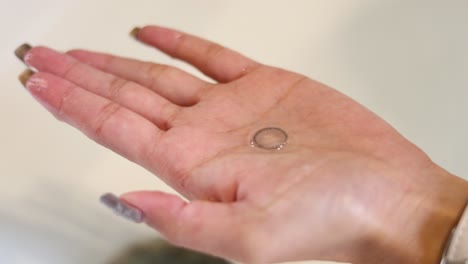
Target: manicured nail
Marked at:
122, 208
25, 76
22, 50
134, 32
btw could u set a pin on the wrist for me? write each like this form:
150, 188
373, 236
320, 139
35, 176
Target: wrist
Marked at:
418, 231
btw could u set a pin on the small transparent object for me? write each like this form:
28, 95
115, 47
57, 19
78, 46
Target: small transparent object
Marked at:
270, 138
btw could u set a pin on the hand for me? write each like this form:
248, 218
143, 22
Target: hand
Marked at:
346, 187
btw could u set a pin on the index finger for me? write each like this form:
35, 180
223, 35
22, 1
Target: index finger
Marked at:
214, 60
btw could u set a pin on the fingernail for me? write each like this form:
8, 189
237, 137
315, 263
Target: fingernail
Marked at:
25, 76
134, 32
122, 208
22, 50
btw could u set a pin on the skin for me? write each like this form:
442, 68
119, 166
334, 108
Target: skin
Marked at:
347, 186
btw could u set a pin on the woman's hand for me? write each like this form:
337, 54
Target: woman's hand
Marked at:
346, 187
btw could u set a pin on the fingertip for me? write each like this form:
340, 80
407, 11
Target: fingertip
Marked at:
132, 197
40, 50
161, 37
42, 58
25, 76
36, 83
134, 32
139, 30
161, 209
152, 200
122, 209
22, 51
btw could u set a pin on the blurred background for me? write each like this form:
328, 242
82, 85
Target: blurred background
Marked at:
405, 60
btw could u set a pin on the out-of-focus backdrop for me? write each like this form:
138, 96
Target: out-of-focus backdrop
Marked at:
405, 60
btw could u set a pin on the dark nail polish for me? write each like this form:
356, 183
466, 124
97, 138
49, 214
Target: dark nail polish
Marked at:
25, 76
21, 51
134, 32
122, 208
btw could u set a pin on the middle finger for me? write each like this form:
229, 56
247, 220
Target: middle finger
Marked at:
174, 84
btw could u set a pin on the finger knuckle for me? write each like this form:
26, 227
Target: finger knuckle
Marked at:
181, 43
63, 102
156, 72
116, 87
106, 113
70, 70
213, 50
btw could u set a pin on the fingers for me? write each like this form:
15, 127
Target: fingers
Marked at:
172, 83
130, 95
102, 120
220, 63
205, 226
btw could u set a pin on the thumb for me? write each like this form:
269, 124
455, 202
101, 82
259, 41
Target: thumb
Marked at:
210, 227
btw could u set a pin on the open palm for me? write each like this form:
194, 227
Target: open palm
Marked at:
246, 203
